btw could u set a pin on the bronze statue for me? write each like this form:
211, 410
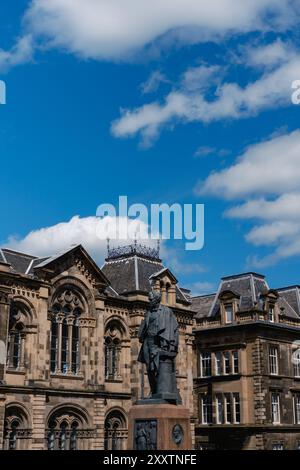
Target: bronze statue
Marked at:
158, 334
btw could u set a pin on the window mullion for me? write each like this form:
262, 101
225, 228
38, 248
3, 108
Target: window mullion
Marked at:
59, 348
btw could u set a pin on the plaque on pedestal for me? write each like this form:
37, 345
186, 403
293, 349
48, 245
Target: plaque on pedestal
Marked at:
159, 427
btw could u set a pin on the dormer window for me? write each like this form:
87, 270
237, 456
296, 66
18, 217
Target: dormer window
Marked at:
229, 313
229, 304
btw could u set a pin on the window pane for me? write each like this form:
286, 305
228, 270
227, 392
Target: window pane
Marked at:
228, 415
278, 446
273, 360
235, 361
218, 363
114, 362
54, 345
75, 348
228, 313
271, 314
275, 408
206, 409
237, 408
226, 362
205, 364
296, 362
219, 409
297, 408
64, 348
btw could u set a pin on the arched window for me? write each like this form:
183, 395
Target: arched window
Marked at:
16, 431
112, 350
115, 431
67, 430
65, 332
18, 320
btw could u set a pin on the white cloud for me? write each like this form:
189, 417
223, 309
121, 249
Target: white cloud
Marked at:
201, 78
273, 233
270, 55
204, 150
113, 28
285, 207
270, 167
267, 178
189, 103
153, 82
202, 288
20, 53
86, 230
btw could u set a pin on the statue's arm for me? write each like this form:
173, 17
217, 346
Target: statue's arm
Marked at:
142, 331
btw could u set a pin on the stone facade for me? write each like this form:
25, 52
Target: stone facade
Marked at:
71, 372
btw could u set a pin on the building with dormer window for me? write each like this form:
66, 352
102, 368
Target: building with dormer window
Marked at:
247, 365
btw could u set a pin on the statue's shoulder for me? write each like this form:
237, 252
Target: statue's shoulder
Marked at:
166, 310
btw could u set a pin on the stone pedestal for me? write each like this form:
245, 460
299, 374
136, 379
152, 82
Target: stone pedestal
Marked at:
159, 427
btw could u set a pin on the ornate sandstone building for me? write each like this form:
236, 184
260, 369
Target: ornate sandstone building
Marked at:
69, 346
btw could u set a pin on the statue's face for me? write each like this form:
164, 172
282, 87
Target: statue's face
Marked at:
154, 298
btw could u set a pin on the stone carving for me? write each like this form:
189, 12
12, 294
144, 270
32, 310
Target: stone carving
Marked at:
158, 334
177, 434
145, 435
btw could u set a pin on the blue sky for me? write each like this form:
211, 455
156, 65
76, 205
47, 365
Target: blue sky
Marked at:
192, 106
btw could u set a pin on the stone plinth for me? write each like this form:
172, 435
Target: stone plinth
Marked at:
159, 427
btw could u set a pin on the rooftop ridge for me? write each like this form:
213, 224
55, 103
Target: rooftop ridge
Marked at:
247, 274
295, 286
15, 252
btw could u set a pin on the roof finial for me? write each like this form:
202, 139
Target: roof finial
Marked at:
135, 241
158, 246
108, 247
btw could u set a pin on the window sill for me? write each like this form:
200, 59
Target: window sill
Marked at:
118, 380
60, 375
10, 370
221, 376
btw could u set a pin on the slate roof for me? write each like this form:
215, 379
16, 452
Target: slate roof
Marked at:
2, 257
291, 295
202, 304
34, 264
247, 286
132, 273
128, 274
19, 262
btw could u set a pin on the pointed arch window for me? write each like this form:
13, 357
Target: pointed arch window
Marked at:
19, 318
16, 431
65, 333
112, 350
67, 431
115, 431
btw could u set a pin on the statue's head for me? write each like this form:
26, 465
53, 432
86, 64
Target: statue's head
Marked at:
154, 298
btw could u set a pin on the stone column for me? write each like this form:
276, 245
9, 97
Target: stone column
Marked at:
2, 417
99, 359
99, 419
70, 322
38, 422
60, 319
4, 321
